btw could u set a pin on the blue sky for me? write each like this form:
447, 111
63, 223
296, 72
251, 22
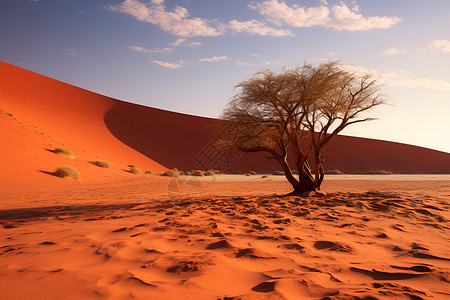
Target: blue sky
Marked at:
187, 55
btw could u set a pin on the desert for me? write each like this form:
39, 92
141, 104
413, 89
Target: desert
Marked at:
120, 230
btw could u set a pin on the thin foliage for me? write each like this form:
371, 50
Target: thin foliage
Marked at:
297, 112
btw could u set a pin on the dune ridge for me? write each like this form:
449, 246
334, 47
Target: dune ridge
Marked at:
126, 133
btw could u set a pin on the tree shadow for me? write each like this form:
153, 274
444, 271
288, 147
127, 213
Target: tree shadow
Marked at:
49, 173
35, 213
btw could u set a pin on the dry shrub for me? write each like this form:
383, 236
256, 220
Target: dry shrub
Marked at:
197, 173
264, 176
252, 173
333, 172
134, 170
277, 173
171, 173
210, 173
67, 172
378, 172
237, 172
102, 164
148, 172
64, 152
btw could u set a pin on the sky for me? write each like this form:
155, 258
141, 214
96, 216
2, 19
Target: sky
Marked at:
188, 55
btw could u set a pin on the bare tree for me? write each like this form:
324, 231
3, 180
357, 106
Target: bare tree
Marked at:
297, 112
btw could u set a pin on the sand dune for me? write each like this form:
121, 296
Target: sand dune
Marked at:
49, 114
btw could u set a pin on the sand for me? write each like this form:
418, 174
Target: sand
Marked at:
144, 239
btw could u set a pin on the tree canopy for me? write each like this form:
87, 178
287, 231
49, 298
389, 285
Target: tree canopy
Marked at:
297, 112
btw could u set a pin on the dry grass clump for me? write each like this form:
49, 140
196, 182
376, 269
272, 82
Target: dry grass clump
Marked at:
252, 173
134, 170
210, 173
277, 173
171, 173
67, 172
333, 172
237, 173
375, 172
197, 173
102, 164
64, 152
148, 172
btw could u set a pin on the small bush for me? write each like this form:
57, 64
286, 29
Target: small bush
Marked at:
277, 173
248, 174
197, 173
333, 172
210, 173
67, 172
134, 170
237, 172
252, 173
64, 152
171, 173
378, 172
264, 176
148, 172
102, 164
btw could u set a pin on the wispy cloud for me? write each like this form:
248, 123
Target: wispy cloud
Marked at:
183, 42
175, 22
401, 78
255, 27
168, 64
394, 51
214, 59
156, 50
440, 45
70, 51
435, 45
339, 17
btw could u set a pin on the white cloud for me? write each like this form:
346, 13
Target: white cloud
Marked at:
241, 63
256, 27
156, 50
178, 42
195, 44
182, 42
167, 64
295, 15
346, 19
70, 51
435, 45
340, 17
175, 22
440, 45
214, 59
401, 78
394, 51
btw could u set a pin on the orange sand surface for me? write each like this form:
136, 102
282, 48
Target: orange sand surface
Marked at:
152, 237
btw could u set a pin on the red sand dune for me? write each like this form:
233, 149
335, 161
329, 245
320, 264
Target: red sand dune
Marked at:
49, 113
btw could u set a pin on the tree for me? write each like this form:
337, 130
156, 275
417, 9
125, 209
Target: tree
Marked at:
297, 112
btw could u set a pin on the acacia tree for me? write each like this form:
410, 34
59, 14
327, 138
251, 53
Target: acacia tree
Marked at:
297, 112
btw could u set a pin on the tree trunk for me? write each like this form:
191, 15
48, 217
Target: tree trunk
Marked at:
305, 183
